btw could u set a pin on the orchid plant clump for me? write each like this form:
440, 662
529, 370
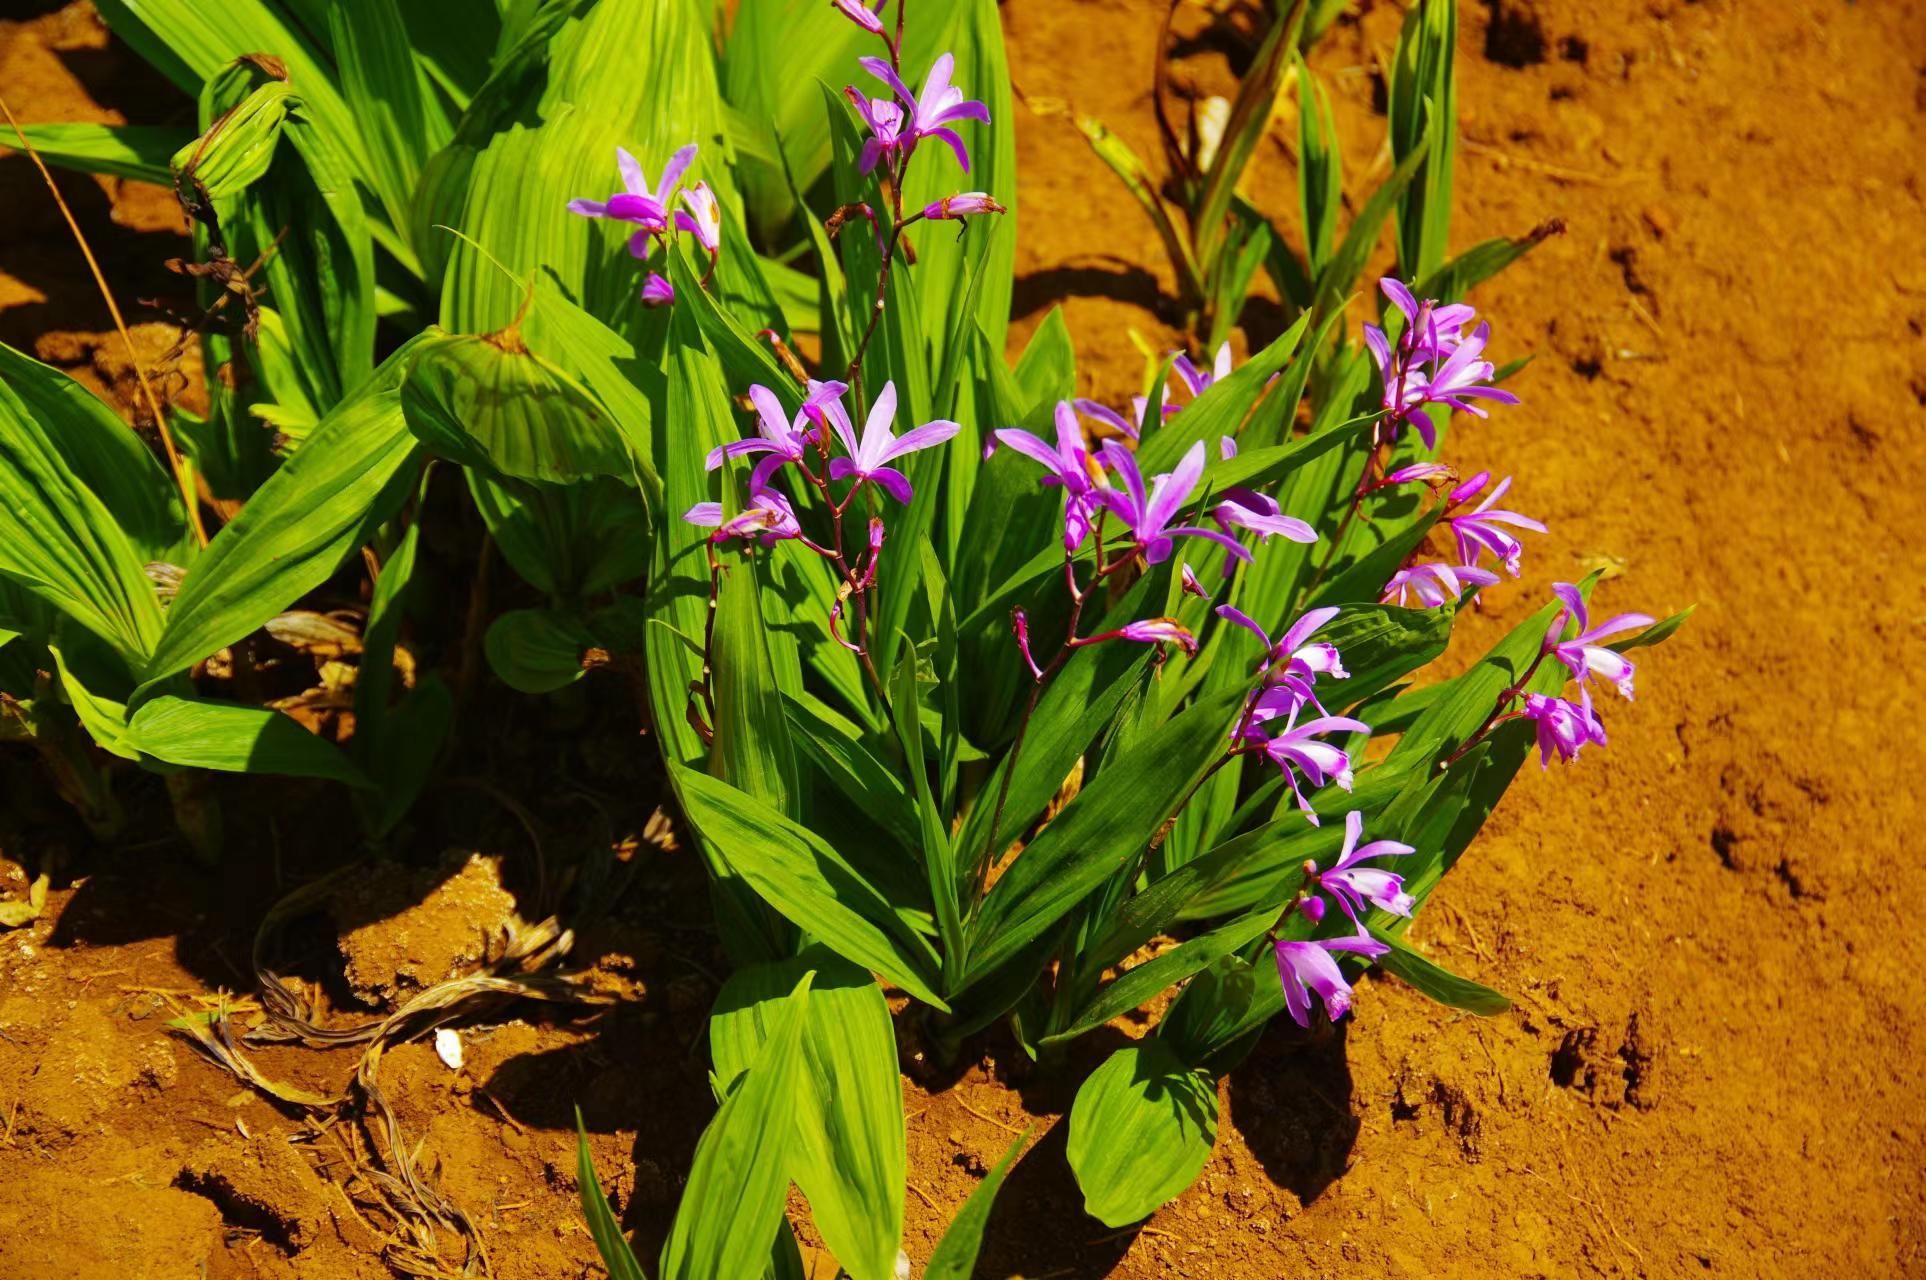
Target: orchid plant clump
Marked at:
984, 696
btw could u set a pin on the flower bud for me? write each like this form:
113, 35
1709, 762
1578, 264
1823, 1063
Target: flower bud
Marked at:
657, 292
861, 14
962, 205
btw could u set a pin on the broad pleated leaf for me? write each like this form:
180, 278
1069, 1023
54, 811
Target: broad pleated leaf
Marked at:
1108, 826
799, 874
1141, 1129
136, 151
351, 475
400, 123
232, 738
536, 650
58, 540
105, 455
848, 1154
638, 74
732, 1205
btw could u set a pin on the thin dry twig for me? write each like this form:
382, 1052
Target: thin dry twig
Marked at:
181, 475
990, 1119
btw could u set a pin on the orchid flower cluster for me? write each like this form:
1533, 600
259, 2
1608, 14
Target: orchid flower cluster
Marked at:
769, 517
844, 464
818, 483
648, 208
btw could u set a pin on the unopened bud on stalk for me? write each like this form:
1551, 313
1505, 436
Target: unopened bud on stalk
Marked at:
963, 205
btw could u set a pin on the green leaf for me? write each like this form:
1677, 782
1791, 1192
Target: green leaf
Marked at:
939, 856
1657, 633
1364, 578
733, 1203
58, 540
235, 150
603, 1228
848, 1153
777, 51
1143, 982
1076, 705
490, 402
351, 476
537, 650
104, 719
572, 541
1259, 866
800, 875
390, 99
139, 152
190, 42
1341, 272
1434, 980
834, 745
1141, 1129
1423, 112
1250, 115
610, 366
226, 736
751, 747
955, 1254
945, 261
1320, 180
1482, 261
1108, 825
105, 455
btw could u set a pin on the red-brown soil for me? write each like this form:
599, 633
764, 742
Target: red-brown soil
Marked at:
1719, 1035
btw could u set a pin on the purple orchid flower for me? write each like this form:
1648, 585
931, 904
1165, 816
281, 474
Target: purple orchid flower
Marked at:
1320, 762
1148, 631
868, 17
885, 122
701, 217
641, 204
1432, 473
870, 457
1192, 587
1196, 380
1109, 417
1069, 465
1432, 364
1479, 530
1290, 667
1585, 652
1148, 515
931, 112
1564, 727
1244, 508
782, 439
1307, 968
1352, 885
1433, 584
1437, 328
657, 291
768, 519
